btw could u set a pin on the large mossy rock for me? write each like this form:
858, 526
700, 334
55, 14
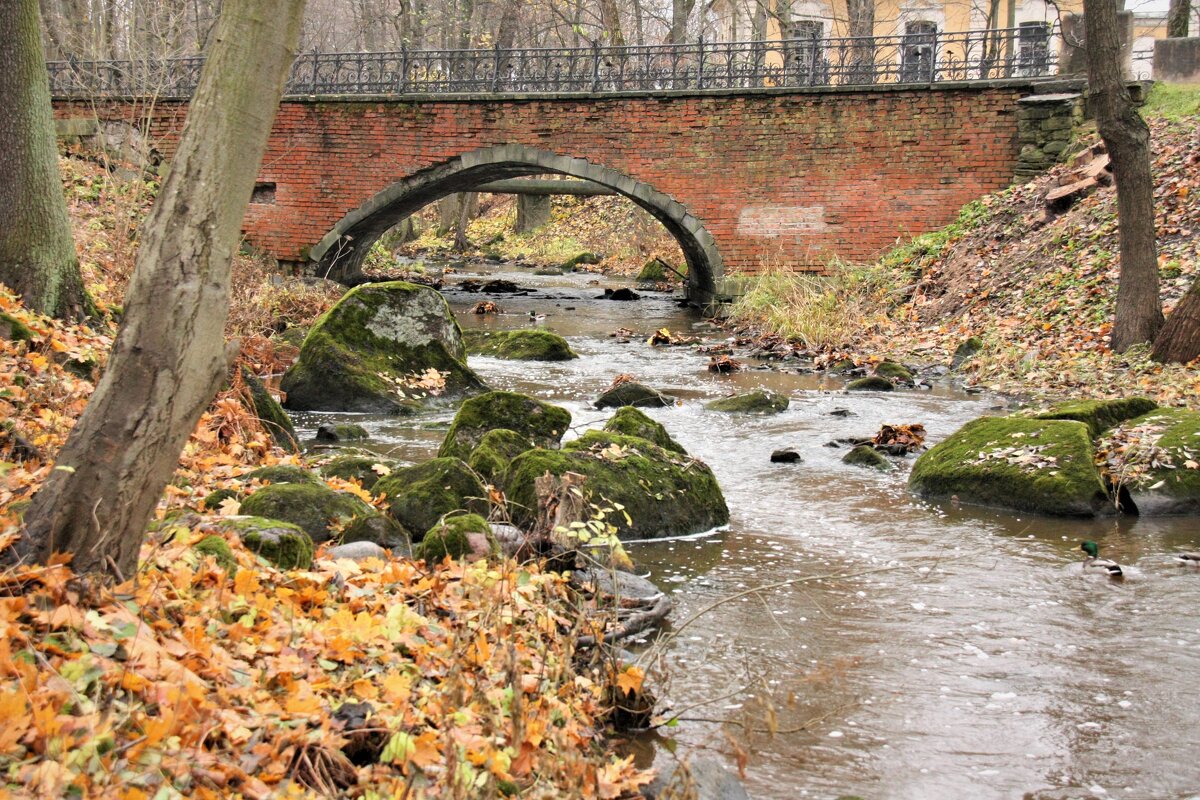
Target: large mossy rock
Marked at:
458, 536
871, 383
366, 352
272, 416
285, 545
1041, 466
628, 421
664, 493
366, 469
866, 456
524, 345
418, 496
495, 452
634, 394
1156, 458
759, 401
317, 509
282, 473
542, 422
1100, 415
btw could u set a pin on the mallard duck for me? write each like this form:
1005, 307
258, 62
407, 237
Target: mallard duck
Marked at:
536, 317
1095, 562
1190, 559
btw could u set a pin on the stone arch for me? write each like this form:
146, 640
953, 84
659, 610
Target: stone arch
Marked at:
340, 253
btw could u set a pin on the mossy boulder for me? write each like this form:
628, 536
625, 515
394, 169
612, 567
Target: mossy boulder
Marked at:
358, 467
285, 545
632, 393
664, 493
318, 510
218, 548
542, 422
272, 416
13, 329
282, 473
366, 353
522, 345
653, 271
378, 529
347, 432
969, 348
866, 456
212, 501
418, 496
495, 452
458, 536
871, 383
1040, 466
582, 258
628, 421
1156, 458
894, 372
1100, 415
760, 401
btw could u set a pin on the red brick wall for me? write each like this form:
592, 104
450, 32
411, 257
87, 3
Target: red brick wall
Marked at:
778, 180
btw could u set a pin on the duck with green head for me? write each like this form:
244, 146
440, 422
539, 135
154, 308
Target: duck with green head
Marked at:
1095, 562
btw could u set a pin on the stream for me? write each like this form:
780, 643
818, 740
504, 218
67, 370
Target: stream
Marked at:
962, 652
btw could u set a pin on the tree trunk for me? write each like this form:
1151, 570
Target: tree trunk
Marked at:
37, 253
610, 19
1179, 339
1178, 15
170, 354
681, 12
468, 207
1139, 308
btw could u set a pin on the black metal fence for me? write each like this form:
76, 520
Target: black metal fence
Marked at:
919, 57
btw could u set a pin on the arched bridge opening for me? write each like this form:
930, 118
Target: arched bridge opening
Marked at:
341, 252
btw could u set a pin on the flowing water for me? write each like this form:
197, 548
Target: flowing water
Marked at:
931, 652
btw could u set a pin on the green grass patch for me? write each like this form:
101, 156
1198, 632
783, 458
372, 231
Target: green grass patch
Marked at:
1173, 101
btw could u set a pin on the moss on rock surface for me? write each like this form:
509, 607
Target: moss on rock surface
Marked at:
418, 496
355, 467
866, 456
218, 548
542, 422
316, 509
760, 401
1100, 415
1041, 466
283, 544
634, 394
495, 453
458, 536
13, 329
523, 345
1156, 457
364, 353
653, 271
282, 473
665, 494
272, 416
347, 432
871, 383
213, 500
628, 421
381, 530
893, 371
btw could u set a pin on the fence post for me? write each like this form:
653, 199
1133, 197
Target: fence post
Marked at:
700, 64
402, 86
496, 67
595, 67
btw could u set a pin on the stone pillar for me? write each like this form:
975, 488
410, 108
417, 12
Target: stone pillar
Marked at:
1073, 58
533, 211
1045, 125
1177, 60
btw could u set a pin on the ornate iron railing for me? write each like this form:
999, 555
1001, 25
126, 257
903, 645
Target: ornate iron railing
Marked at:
915, 58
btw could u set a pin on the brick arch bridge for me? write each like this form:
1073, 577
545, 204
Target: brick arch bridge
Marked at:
746, 180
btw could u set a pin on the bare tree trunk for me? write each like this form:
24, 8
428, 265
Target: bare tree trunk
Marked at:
1139, 308
37, 253
1179, 339
468, 206
1179, 14
506, 29
610, 19
170, 354
681, 12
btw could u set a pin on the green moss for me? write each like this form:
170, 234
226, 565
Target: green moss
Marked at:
628, 421
218, 548
13, 329
582, 258
653, 271
282, 473
545, 424
871, 383
317, 509
665, 494
418, 496
362, 354
1172, 487
350, 432
633, 394
270, 413
966, 351
381, 530
523, 345
450, 537
893, 371
760, 401
495, 453
1100, 415
283, 544
1006, 462
866, 456
353, 467
214, 499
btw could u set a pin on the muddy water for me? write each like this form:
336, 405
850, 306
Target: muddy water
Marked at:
931, 652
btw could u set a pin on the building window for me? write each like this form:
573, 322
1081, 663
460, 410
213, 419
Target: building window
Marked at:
1033, 51
917, 52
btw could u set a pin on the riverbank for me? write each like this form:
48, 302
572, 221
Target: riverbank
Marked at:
1036, 290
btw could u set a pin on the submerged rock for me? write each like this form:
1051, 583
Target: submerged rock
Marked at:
629, 421
523, 345
542, 422
1100, 415
871, 383
864, 455
341, 433
1157, 458
760, 401
635, 394
371, 351
418, 496
1041, 466
786, 456
315, 508
664, 493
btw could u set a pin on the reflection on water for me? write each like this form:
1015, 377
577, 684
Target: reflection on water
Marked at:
960, 654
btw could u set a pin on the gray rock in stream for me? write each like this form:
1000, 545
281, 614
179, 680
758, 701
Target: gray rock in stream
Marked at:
701, 778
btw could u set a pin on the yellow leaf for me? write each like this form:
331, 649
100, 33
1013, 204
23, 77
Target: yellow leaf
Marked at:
630, 680
230, 507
